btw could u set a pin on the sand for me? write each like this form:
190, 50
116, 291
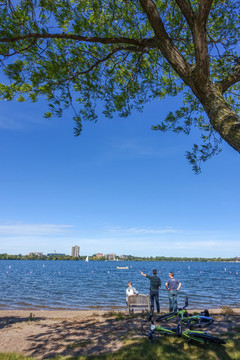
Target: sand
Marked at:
45, 334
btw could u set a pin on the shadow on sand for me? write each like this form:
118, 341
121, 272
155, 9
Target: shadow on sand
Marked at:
103, 335
11, 320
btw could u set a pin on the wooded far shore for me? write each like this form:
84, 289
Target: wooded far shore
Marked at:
94, 257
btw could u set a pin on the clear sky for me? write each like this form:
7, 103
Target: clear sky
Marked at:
120, 187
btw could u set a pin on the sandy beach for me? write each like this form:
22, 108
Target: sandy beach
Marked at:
45, 334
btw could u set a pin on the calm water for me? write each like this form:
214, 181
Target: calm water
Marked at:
98, 284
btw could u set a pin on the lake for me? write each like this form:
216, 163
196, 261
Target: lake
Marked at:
76, 285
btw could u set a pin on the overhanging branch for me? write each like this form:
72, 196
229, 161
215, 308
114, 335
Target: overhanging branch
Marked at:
99, 61
232, 79
199, 33
187, 11
164, 42
203, 11
120, 40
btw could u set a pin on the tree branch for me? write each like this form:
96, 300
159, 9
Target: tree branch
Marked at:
93, 66
203, 11
232, 79
187, 11
19, 51
121, 40
99, 61
197, 24
199, 33
165, 43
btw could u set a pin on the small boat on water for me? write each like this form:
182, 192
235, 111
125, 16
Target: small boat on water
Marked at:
122, 267
86, 259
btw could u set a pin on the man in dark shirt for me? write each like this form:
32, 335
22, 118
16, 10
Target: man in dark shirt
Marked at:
155, 284
172, 285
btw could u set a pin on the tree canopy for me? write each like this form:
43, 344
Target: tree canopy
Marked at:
77, 53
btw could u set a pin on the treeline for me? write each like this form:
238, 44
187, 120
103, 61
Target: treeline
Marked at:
172, 258
125, 258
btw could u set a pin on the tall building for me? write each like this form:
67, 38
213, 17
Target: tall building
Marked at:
110, 256
75, 251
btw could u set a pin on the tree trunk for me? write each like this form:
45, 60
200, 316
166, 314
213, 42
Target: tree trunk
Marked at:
222, 117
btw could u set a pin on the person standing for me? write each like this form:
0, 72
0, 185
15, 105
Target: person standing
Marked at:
172, 285
155, 284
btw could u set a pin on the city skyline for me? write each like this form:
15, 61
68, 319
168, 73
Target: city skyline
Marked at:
75, 253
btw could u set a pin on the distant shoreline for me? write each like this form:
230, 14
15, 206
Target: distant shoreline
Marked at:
134, 259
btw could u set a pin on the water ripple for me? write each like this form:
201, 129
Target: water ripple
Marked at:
98, 284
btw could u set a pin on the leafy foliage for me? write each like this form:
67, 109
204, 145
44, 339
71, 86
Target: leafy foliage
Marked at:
77, 53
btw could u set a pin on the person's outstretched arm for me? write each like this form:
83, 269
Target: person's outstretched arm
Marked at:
143, 273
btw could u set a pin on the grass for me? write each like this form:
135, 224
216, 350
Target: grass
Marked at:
227, 310
79, 344
13, 356
120, 315
166, 348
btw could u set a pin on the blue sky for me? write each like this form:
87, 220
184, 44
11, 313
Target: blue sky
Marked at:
119, 187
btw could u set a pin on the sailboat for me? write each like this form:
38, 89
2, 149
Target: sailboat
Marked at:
86, 258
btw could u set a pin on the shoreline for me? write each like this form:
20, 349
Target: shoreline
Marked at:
64, 313
163, 308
